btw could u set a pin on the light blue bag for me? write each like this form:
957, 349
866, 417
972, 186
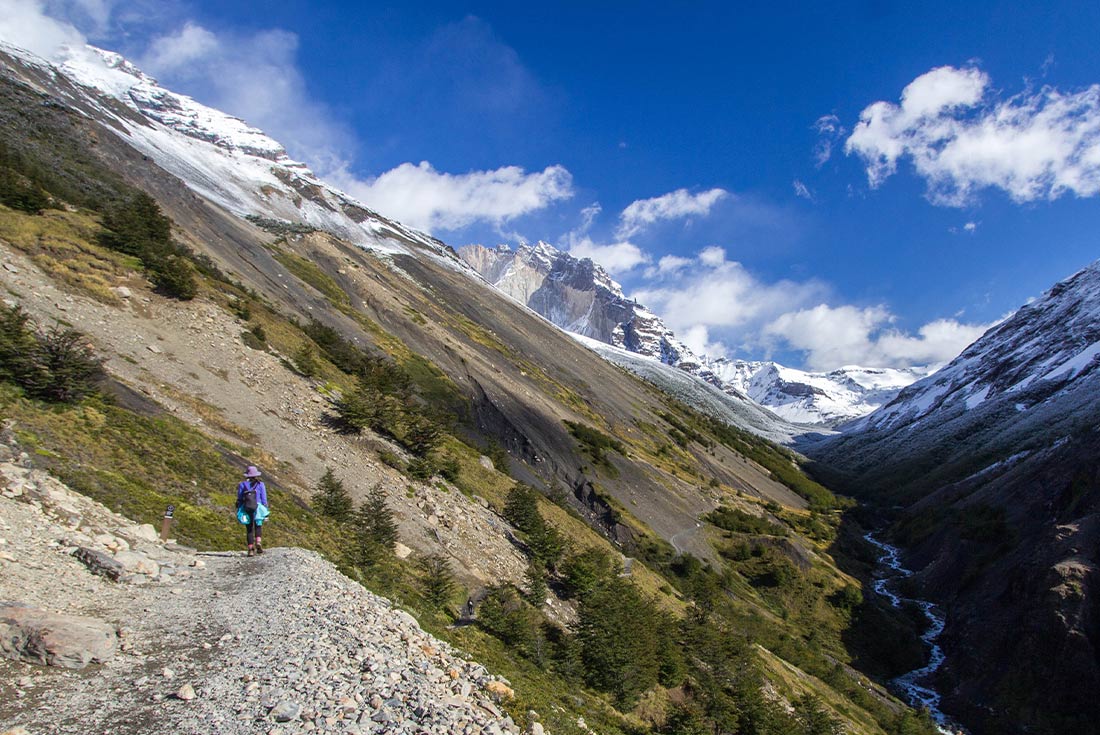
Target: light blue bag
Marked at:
242, 516
261, 513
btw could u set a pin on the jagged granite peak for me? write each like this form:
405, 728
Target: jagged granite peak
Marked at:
579, 296
218, 156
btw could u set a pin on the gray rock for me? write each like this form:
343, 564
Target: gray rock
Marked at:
286, 711
50, 639
100, 563
137, 563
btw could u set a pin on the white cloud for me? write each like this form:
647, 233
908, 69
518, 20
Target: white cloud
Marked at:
433, 200
970, 226
829, 131
615, 258
801, 190
847, 335
672, 263
24, 23
713, 256
697, 338
676, 204
722, 294
256, 77
960, 139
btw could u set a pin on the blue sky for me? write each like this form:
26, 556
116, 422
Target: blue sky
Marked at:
711, 156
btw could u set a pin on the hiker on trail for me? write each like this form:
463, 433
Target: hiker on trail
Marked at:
252, 508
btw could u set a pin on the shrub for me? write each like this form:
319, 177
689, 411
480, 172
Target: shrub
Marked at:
57, 365
738, 521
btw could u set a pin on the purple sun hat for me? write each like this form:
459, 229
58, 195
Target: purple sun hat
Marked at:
252, 471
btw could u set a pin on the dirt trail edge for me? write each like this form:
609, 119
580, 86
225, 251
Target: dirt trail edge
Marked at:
280, 643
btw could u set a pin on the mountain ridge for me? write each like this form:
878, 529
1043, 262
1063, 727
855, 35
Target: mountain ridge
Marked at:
579, 296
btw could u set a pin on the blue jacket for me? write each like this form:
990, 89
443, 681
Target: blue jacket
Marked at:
261, 493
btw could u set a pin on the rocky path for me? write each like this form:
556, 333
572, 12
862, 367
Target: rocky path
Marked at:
279, 643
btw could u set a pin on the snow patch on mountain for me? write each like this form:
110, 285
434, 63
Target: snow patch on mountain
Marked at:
220, 157
1043, 352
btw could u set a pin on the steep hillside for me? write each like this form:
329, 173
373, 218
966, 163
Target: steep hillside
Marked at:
580, 297
994, 460
247, 313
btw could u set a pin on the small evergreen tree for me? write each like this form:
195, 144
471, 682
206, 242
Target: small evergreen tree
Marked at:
66, 369
331, 499
535, 581
438, 581
305, 361
375, 530
17, 345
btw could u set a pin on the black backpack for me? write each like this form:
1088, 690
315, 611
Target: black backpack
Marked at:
248, 498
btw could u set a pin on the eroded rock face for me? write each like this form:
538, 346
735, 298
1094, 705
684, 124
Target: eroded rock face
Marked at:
49, 639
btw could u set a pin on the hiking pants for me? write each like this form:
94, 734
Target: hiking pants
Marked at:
252, 530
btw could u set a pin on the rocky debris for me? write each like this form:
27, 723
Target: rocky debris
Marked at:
100, 563
41, 637
279, 643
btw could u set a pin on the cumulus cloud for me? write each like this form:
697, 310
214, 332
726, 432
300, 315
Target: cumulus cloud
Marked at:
970, 226
24, 23
615, 257
961, 139
722, 294
674, 205
844, 335
433, 200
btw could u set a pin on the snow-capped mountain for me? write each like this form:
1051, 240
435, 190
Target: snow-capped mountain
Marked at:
1042, 355
815, 398
579, 296
218, 156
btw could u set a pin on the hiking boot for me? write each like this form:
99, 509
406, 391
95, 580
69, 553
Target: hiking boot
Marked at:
251, 551
259, 549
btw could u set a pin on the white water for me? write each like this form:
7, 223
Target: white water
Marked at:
890, 570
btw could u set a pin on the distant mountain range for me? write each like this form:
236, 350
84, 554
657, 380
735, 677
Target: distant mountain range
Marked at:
579, 296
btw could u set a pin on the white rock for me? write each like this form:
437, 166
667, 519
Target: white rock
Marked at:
146, 532
123, 292
401, 551
186, 693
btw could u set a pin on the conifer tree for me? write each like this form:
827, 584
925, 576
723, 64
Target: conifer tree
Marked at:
331, 498
375, 530
438, 581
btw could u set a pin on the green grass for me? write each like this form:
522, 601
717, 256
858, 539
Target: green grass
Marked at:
137, 465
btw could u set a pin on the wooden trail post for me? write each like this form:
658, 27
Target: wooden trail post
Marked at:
166, 522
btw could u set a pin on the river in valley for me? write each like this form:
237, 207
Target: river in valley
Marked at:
889, 572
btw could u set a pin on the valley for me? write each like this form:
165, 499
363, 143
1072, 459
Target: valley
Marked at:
623, 535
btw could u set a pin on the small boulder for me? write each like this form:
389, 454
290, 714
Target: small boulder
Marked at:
137, 563
186, 693
401, 551
286, 711
146, 532
50, 639
500, 690
100, 563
